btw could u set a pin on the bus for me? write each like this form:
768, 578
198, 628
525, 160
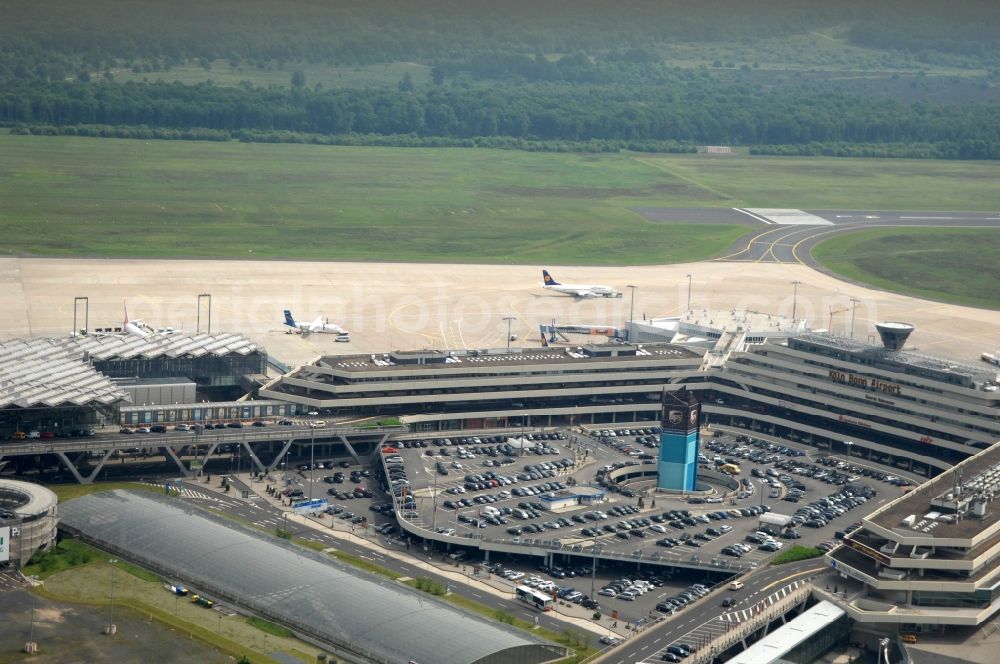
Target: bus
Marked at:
536, 598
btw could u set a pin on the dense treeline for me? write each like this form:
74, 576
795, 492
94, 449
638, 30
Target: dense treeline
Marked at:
56, 38
521, 72
730, 115
397, 140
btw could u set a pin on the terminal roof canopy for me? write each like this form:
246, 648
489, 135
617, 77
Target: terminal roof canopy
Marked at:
44, 372
339, 603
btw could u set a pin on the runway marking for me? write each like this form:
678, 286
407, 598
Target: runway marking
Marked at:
787, 217
754, 216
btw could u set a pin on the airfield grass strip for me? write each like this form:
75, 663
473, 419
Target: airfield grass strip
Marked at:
956, 265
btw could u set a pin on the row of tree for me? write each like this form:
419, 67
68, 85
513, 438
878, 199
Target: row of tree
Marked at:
737, 114
99, 32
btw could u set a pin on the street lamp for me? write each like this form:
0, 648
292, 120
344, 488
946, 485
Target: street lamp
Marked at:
198, 325
111, 615
689, 293
854, 308
86, 314
593, 567
508, 319
848, 444
631, 311
763, 484
795, 298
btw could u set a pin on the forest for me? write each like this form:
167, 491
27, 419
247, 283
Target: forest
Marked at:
903, 78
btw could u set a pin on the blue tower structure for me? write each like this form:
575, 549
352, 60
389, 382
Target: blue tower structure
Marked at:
678, 461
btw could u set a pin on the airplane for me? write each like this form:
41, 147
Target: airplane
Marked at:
578, 290
133, 327
319, 325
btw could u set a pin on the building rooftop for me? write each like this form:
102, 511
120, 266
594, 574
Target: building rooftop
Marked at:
899, 360
780, 642
45, 372
177, 344
946, 506
513, 357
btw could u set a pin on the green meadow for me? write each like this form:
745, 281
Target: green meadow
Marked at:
71, 196
957, 265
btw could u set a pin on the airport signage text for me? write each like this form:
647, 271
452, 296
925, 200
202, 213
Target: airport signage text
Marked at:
868, 551
865, 383
303, 506
4, 544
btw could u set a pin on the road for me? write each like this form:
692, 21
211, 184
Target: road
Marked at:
684, 626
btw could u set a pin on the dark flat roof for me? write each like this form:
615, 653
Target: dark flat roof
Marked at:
919, 501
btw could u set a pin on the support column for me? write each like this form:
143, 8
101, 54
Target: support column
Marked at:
76, 473
260, 466
351, 450
280, 456
180, 464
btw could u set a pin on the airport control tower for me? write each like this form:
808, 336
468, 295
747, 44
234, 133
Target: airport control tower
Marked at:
678, 462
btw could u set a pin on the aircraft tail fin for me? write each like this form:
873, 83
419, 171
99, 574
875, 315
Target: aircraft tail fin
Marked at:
289, 321
548, 280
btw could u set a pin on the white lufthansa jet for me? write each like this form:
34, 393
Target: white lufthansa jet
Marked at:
318, 326
577, 290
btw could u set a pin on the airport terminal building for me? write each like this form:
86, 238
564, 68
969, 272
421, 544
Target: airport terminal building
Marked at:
888, 402
928, 560
473, 389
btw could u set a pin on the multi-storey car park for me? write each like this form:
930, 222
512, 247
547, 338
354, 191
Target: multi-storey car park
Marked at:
927, 561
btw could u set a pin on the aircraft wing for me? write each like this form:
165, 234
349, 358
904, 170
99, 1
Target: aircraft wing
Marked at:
316, 325
585, 293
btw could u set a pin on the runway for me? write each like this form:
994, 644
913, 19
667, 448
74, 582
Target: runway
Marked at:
789, 239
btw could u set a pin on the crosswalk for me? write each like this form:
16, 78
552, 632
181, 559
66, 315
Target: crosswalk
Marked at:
746, 614
185, 492
705, 634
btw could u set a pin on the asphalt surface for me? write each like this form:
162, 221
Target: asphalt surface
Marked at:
779, 243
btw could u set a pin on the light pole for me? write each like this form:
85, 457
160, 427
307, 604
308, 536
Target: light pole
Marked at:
86, 314
848, 444
312, 460
689, 293
434, 511
593, 566
111, 614
508, 319
631, 311
762, 485
795, 298
854, 308
198, 325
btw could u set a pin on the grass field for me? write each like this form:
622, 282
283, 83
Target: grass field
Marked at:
954, 265
68, 196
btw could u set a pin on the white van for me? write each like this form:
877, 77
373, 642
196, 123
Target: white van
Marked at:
489, 510
735, 585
